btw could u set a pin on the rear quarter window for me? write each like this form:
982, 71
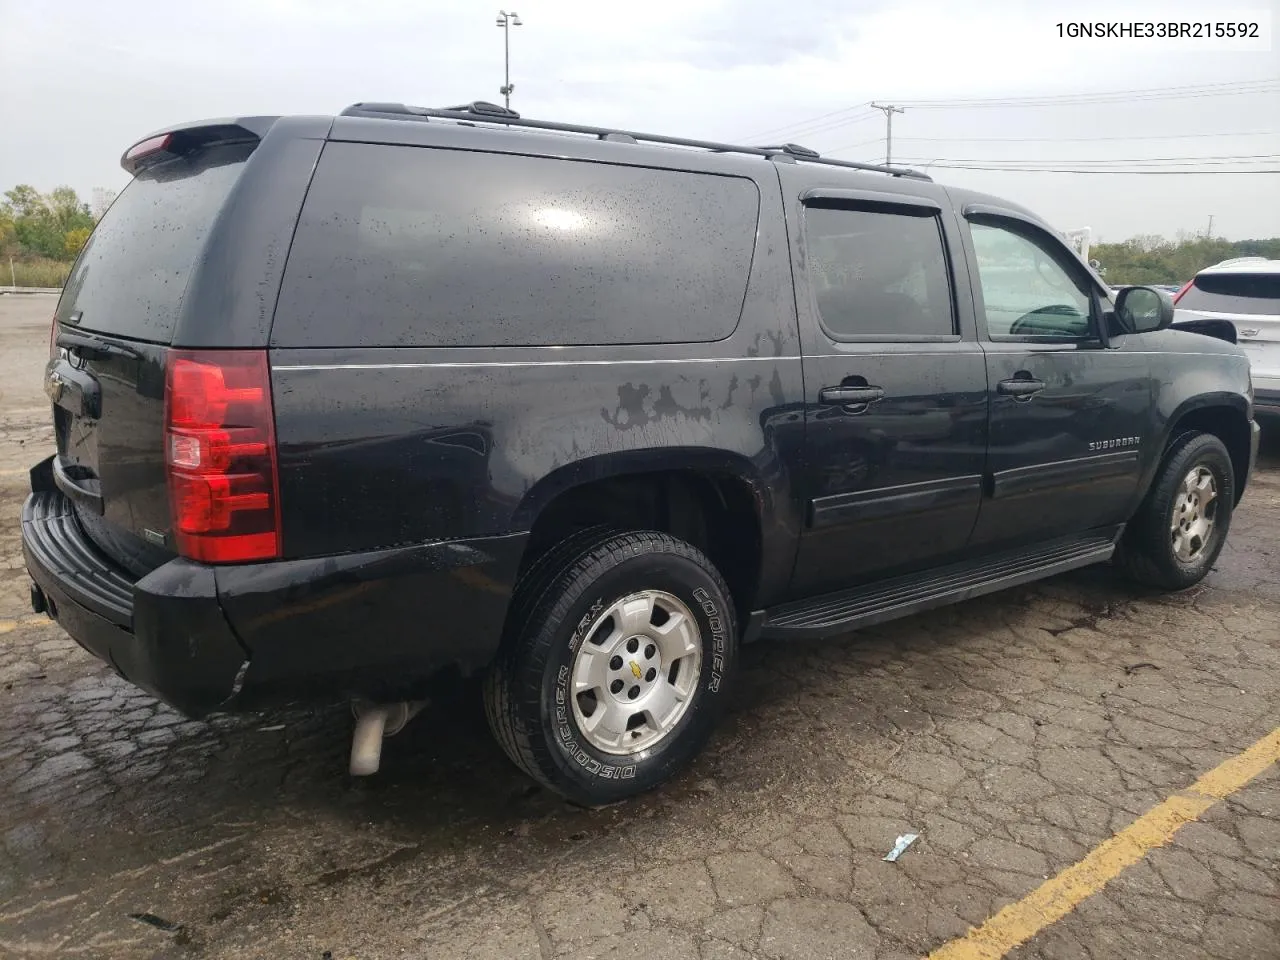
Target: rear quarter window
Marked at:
413, 246
132, 274
1257, 294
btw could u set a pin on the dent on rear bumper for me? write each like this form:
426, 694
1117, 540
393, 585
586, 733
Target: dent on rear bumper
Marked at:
165, 633
379, 624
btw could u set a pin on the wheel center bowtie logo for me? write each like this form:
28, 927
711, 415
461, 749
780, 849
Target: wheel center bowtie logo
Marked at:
1114, 443
635, 669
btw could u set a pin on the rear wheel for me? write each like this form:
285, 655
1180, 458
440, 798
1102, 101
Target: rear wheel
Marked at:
615, 666
1181, 527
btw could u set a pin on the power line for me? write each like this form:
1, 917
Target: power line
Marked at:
1092, 165
1153, 173
787, 128
813, 125
813, 131
862, 143
1175, 136
1234, 158
1195, 89
1160, 136
1233, 88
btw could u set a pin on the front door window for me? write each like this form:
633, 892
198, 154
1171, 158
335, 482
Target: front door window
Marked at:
1026, 288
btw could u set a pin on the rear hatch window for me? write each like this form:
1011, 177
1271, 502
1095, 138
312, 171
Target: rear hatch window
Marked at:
1254, 294
115, 321
131, 277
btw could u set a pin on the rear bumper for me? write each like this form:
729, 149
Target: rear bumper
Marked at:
379, 625
165, 633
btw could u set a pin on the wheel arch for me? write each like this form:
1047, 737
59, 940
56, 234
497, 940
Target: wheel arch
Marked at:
696, 494
1224, 415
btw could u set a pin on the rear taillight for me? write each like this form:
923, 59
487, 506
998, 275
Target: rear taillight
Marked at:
1185, 287
53, 338
220, 455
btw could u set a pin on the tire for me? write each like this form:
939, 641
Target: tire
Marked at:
1152, 551
566, 630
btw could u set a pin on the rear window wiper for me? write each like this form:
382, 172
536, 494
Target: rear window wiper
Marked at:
92, 348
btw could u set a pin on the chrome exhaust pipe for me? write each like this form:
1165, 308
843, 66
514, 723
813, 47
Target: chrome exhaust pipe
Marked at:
374, 722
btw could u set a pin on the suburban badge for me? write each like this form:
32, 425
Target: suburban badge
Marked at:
1115, 443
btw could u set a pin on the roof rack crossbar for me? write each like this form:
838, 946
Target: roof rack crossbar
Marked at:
486, 113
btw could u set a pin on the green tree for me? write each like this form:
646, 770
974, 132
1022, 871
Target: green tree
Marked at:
8, 235
74, 240
68, 212
1153, 259
23, 200
41, 224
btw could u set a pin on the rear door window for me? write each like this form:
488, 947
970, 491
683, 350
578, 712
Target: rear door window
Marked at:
131, 276
413, 246
877, 274
1256, 294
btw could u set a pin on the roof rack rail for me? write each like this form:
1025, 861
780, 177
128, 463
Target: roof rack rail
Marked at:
485, 108
797, 151
482, 111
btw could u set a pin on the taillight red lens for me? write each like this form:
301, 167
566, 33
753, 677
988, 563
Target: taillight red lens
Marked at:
1185, 287
220, 455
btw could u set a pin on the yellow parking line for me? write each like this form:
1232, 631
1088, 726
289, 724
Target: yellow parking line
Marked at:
1058, 896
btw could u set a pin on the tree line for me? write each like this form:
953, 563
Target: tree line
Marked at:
1154, 259
42, 233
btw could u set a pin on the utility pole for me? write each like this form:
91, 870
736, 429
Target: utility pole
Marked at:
506, 21
889, 110
1208, 234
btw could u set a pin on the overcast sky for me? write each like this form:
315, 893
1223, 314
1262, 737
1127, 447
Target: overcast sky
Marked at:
83, 79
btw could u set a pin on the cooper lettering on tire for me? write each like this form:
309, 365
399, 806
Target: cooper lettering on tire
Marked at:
616, 676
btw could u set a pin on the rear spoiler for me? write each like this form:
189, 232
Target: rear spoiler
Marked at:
1222, 329
188, 138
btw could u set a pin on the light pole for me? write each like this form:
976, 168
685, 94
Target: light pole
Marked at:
506, 21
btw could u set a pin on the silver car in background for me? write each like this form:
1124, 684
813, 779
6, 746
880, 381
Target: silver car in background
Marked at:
1246, 292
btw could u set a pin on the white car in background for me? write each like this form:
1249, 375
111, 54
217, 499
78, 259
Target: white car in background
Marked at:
1246, 292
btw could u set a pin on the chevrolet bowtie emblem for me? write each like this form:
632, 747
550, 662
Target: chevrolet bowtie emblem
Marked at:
635, 670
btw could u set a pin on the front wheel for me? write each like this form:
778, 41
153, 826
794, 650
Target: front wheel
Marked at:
1182, 525
615, 666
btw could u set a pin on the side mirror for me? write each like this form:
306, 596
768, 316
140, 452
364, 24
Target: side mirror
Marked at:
1144, 309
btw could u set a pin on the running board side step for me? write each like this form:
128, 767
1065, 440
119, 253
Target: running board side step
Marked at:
836, 613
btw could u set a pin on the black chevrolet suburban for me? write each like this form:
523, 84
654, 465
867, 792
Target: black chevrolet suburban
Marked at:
348, 405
